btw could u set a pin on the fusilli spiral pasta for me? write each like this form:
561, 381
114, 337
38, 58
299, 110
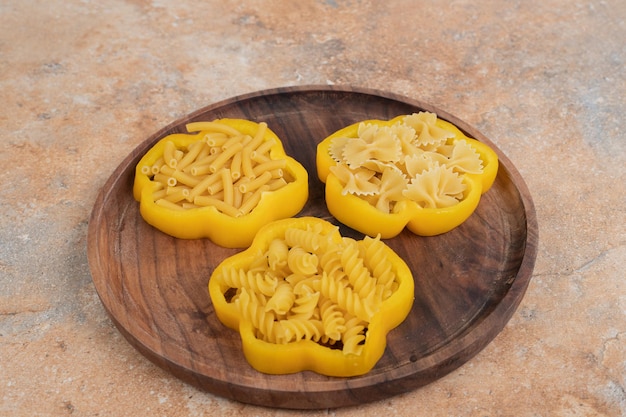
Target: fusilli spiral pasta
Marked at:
308, 285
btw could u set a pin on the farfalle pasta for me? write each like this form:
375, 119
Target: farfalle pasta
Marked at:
410, 169
302, 289
382, 161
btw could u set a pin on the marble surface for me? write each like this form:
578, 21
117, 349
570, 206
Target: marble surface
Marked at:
82, 83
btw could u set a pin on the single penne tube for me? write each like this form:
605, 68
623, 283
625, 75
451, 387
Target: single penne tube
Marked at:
188, 206
169, 154
246, 163
159, 194
255, 183
217, 186
258, 136
277, 173
259, 158
180, 176
269, 165
203, 185
237, 197
277, 183
177, 195
186, 179
227, 182
252, 201
225, 156
212, 127
178, 154
156, 167
191, 155
263, 148
146, 170
206, 160
235, 166
206, 201
168, 204
215, 138
231, 141
200, 170
204, 151
241, 181
176, 189
164, 179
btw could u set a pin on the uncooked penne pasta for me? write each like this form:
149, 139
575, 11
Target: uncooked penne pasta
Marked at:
246, 163
252, 201
258, 137
227, 185
212, 127
205, 201
192, 154
156, 167
269, 166
276, 184
225, 156
255, 183
177, 195
169, 150
263, 148
168, 204
225, 168
203, 185
180, 176
215, 139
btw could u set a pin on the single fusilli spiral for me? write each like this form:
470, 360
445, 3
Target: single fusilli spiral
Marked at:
333, 320
258, 282
354, 336
346, 298
359, 276
262, 320
298, 329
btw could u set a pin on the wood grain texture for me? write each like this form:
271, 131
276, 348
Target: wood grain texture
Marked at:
468, 282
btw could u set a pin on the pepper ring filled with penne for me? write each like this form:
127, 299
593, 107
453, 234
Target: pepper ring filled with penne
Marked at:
223, 180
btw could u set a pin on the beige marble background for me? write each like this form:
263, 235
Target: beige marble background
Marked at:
82, 82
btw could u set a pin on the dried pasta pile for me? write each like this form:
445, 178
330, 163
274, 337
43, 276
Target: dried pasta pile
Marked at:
310, 286
225, 169
410, 160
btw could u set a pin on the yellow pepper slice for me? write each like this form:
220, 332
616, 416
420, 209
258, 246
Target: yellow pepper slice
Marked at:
360, 215
306, 354
208, 222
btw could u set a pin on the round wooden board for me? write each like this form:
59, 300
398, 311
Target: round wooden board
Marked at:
468, 282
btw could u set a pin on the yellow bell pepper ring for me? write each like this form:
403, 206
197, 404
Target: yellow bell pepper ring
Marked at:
195, 222
359, 214
303, 353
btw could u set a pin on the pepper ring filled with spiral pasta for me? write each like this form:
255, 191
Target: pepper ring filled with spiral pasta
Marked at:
313, 298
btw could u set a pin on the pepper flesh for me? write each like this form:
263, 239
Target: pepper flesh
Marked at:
208, 222
305, 354
358, 214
